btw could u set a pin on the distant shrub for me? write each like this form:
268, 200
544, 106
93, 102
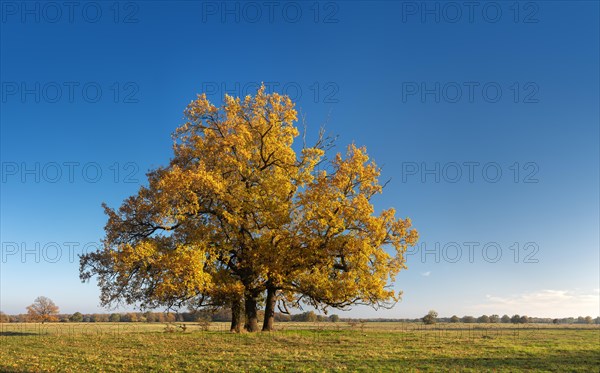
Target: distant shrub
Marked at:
468, 319
430, 318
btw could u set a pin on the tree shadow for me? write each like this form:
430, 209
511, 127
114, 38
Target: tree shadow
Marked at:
563, 361
16, 334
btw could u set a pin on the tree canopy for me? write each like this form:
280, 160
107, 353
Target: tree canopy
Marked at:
430, 318
239, 214
42, 309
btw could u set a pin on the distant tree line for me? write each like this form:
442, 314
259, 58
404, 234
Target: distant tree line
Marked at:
43, 310
224, 315
431, 318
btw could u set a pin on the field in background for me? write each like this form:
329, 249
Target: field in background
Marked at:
390, 346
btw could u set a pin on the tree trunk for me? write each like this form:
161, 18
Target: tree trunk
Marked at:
270, 310
236, 315
251, 324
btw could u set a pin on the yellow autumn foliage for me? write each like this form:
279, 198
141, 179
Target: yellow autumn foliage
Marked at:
239, 211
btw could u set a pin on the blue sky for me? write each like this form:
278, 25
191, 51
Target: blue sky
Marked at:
486, 119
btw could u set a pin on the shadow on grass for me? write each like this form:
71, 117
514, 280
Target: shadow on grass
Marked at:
16, 334
585, 361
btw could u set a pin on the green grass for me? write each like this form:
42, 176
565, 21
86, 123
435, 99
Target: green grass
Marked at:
298, 347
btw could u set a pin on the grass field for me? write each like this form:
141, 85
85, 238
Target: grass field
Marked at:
339, 346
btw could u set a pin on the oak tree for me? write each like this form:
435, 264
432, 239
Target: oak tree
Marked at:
240, 216
42, 310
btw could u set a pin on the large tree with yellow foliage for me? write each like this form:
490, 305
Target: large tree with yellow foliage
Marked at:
239, 216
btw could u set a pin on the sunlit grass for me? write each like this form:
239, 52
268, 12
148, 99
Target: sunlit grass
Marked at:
299, 347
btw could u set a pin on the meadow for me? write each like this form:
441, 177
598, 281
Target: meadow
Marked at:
371, 346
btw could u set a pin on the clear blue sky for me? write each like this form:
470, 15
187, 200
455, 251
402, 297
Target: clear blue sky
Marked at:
486, 119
